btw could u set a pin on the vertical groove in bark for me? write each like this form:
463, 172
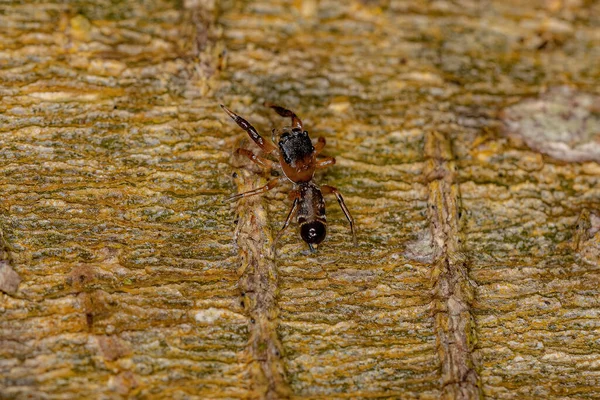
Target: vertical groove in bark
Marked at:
203, 32
453, 292
258, 284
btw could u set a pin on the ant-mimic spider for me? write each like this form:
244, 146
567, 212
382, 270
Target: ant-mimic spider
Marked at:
298, 161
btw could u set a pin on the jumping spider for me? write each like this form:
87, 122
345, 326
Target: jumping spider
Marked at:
298, 162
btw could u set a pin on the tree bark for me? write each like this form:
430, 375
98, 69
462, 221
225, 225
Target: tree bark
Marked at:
467, 143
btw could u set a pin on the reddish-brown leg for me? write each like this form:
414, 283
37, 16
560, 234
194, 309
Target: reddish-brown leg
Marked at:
261, 161
254, 135
296, 123
319, 146
324, 163
326, 189
295, 195
260, 190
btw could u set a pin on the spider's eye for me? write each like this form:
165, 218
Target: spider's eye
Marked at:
284, 136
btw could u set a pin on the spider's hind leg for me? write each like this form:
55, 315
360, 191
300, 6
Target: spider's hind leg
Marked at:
326, 189
296, 196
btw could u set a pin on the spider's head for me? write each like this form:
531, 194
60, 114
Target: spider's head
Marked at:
295, 145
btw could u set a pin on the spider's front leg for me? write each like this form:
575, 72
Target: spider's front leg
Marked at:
266, 146
296, 122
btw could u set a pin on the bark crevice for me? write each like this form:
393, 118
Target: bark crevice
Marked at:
453, 291
258, 286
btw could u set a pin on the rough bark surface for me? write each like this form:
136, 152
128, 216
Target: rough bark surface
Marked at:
477, 272
453, 290
258, 286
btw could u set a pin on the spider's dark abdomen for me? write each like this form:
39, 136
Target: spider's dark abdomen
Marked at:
313, 232
295, 146
311, 214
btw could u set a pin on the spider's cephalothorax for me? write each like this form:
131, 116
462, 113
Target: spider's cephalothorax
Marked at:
298, 160
298, 155
296, 146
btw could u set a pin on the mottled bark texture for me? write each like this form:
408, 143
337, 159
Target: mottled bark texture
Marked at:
466, 138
